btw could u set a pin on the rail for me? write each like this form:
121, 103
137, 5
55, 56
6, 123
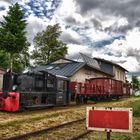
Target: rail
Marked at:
35, 133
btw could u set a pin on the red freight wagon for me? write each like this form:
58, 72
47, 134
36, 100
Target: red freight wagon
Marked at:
107, 86
96, 89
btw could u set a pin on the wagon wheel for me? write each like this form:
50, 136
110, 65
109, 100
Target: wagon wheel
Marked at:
85, 101
47, 100
77, 100
35, 100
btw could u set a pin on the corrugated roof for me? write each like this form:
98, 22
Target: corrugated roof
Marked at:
69, 67
65, 69
107, 61
90, 61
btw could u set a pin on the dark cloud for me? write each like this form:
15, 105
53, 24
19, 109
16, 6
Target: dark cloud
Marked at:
125, 8
87, 5
118, 29
67, 38
138, 23
128, 9
11, 1
70, 20
133, 52
96, 23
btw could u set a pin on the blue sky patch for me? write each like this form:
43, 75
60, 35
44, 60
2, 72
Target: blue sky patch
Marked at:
40, 9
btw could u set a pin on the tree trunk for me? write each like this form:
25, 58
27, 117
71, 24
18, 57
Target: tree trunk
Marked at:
11, 62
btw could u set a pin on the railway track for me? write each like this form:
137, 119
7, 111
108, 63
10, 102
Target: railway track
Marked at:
80, 135
55, 108
36, 133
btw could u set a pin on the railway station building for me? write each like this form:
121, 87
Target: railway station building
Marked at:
118, 72
84, 68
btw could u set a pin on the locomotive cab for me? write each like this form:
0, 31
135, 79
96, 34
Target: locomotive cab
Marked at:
33, 90
9, 98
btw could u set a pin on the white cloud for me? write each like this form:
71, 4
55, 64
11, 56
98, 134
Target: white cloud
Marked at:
34, 26
96, 35
6, 7
117, 51
75, 49
93, 25
66, 8
3, 13
133, 38
124, 52
4, 3
132, 64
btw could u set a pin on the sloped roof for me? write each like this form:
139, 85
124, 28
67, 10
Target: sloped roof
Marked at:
90, 61
63, 69
93, 63
110, 62
68, 68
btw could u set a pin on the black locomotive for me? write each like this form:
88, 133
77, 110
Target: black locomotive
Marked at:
34, 89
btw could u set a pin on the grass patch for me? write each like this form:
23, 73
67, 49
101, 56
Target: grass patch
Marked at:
136, 109
38, 118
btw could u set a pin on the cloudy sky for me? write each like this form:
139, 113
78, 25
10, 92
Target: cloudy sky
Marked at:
109, 29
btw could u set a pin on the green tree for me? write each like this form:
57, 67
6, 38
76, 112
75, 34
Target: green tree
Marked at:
4, 60
13, 41
135, 83
48, 47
